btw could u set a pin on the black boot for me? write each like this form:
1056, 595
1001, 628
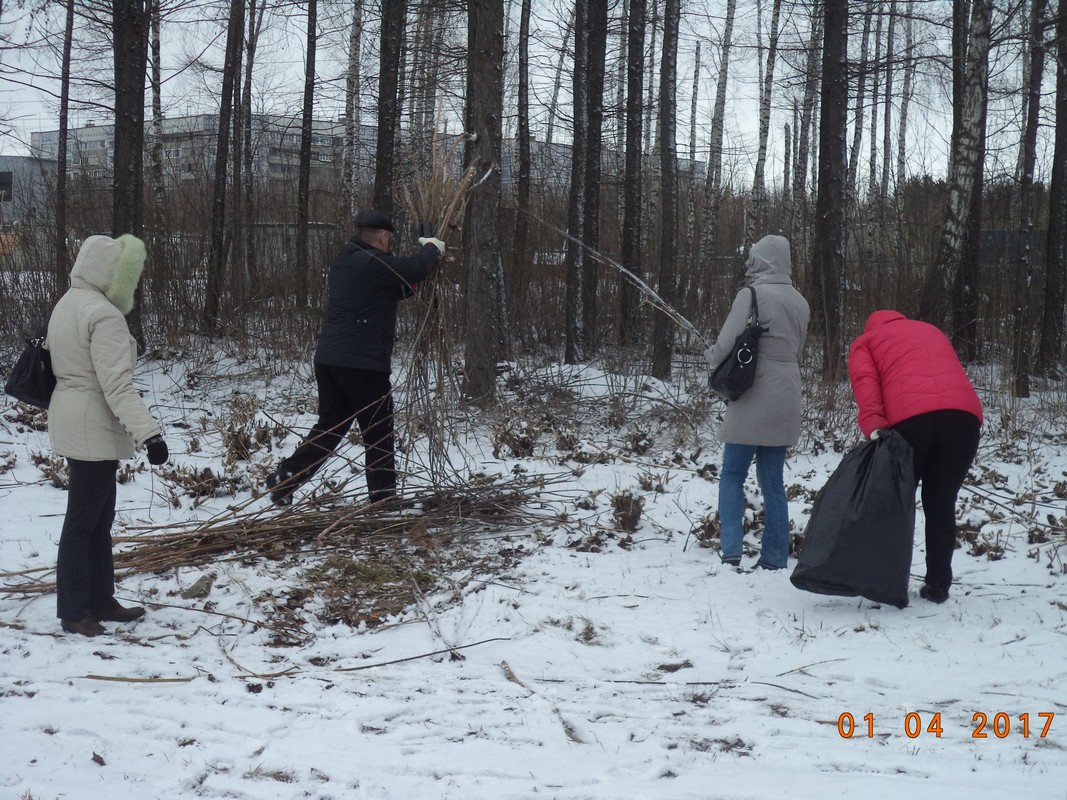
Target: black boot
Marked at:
86, 626
935, 594
119, 613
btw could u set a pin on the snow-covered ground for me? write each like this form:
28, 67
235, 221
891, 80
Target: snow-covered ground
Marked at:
601, 665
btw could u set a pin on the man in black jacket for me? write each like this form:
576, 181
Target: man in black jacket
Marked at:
353, 358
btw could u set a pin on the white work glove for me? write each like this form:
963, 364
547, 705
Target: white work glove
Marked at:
425, 240
877, 432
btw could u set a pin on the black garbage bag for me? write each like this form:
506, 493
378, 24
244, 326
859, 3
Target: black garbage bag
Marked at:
860, 535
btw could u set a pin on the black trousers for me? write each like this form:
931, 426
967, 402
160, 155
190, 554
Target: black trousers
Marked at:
85, 570
345, 394
944, 444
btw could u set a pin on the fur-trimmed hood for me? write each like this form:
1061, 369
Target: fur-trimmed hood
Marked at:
112, 267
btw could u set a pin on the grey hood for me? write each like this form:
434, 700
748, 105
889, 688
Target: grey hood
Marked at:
769, 258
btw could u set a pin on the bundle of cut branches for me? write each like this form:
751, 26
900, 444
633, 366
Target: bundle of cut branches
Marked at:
481, 508
437, 195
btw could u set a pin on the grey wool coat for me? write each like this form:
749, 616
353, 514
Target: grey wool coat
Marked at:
95, 413
768, 414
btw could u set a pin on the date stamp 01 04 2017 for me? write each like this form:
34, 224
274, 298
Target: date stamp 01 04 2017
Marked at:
995, 725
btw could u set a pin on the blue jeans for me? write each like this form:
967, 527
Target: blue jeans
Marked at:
770, 466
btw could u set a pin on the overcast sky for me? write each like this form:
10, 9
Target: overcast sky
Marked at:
27, 92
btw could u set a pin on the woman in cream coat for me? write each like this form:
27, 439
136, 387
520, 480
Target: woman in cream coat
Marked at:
764, 421
95, 418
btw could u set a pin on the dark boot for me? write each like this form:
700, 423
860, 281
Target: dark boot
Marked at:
86, 626
935, 594
119, 613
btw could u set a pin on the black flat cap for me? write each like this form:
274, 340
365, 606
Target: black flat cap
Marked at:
370, 218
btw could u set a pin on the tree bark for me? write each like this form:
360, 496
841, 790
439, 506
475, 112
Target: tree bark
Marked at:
828, 256
1050, 350
392, 39
757, 218
62, 257
352, 117
713, 180
303, 193
486, 312
663, 326
217, 263
1024, 265
130, 38
631, 214
965, 164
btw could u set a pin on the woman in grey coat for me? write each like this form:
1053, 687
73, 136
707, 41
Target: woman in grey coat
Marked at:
95, 418
765, 421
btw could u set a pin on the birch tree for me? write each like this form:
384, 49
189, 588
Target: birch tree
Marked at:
964, 166
1050, 350
905, 97
713, 180
758, 218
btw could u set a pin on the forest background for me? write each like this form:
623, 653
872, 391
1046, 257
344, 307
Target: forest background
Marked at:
620, 157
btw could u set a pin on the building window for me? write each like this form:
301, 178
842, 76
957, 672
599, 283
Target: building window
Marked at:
6, 185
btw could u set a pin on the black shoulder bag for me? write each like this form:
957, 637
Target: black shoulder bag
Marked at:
734, 376
32, 380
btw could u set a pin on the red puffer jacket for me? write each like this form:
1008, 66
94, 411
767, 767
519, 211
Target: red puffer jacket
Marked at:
901, 367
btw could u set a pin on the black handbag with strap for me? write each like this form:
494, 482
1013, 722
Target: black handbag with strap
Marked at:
734, 376
32, 380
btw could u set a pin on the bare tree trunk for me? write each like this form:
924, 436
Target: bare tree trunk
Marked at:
239, 284
62, 262
692, 242
256, 10
887, 139
663, 326
486, 313
632, 223
876, 88
757, 220
966, 151
1024, 272
1050, 351
830, 204
303, 192
905, 97
392, 39
553, 106
589, 43
130, 37
597, 39
217, 265
861, 92
353, 97
525, 166
713, 181
800, 164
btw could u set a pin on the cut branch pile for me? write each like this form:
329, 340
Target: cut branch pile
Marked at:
438, 196
483, 508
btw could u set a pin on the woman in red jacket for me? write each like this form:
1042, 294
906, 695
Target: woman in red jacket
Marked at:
906, 376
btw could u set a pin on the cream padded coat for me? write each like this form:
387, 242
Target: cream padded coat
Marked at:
95, 413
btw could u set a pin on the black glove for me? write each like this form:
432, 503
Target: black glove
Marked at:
157, 450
